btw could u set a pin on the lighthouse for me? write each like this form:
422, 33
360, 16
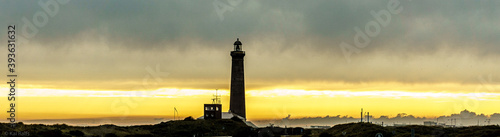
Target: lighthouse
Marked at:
237, 97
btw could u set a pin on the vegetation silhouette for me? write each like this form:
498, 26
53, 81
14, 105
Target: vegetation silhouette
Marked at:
234, 127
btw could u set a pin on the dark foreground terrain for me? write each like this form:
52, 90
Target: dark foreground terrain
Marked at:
371, 130
233, 127
181, 128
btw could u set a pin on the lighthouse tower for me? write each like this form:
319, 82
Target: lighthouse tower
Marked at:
237, 97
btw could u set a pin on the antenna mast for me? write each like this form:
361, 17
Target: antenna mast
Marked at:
361, 115
175, 112
216, 99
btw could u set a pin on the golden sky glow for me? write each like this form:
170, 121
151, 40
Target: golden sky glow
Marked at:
132, 58
36, 103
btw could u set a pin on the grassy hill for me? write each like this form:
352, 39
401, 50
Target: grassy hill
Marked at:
236, 128
180, 128
370, 130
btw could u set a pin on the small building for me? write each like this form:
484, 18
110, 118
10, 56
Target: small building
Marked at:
399, 125
212, 111
229, 115
320, 127
430, 123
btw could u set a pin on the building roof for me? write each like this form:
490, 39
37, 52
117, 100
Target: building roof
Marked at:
229, 115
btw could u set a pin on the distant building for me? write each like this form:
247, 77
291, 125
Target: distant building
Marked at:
320, 127
399, 125
430, 123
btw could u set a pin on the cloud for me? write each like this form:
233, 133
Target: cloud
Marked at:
428, 42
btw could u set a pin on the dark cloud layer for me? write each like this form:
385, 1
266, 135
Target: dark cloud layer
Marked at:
429, 41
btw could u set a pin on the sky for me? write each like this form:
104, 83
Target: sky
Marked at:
81, 59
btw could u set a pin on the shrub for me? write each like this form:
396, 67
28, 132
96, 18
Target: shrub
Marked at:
190, 118
324, 134
77, 133
110, 135
236, 119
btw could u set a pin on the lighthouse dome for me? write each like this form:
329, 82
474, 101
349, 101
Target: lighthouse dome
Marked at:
237, 42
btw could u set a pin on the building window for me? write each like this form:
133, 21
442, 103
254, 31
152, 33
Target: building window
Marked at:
216, 108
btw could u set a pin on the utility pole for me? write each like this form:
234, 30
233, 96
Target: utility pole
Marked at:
361, 115
368, 117
175, 112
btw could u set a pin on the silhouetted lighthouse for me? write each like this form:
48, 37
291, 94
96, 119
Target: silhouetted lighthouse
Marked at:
237, 99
